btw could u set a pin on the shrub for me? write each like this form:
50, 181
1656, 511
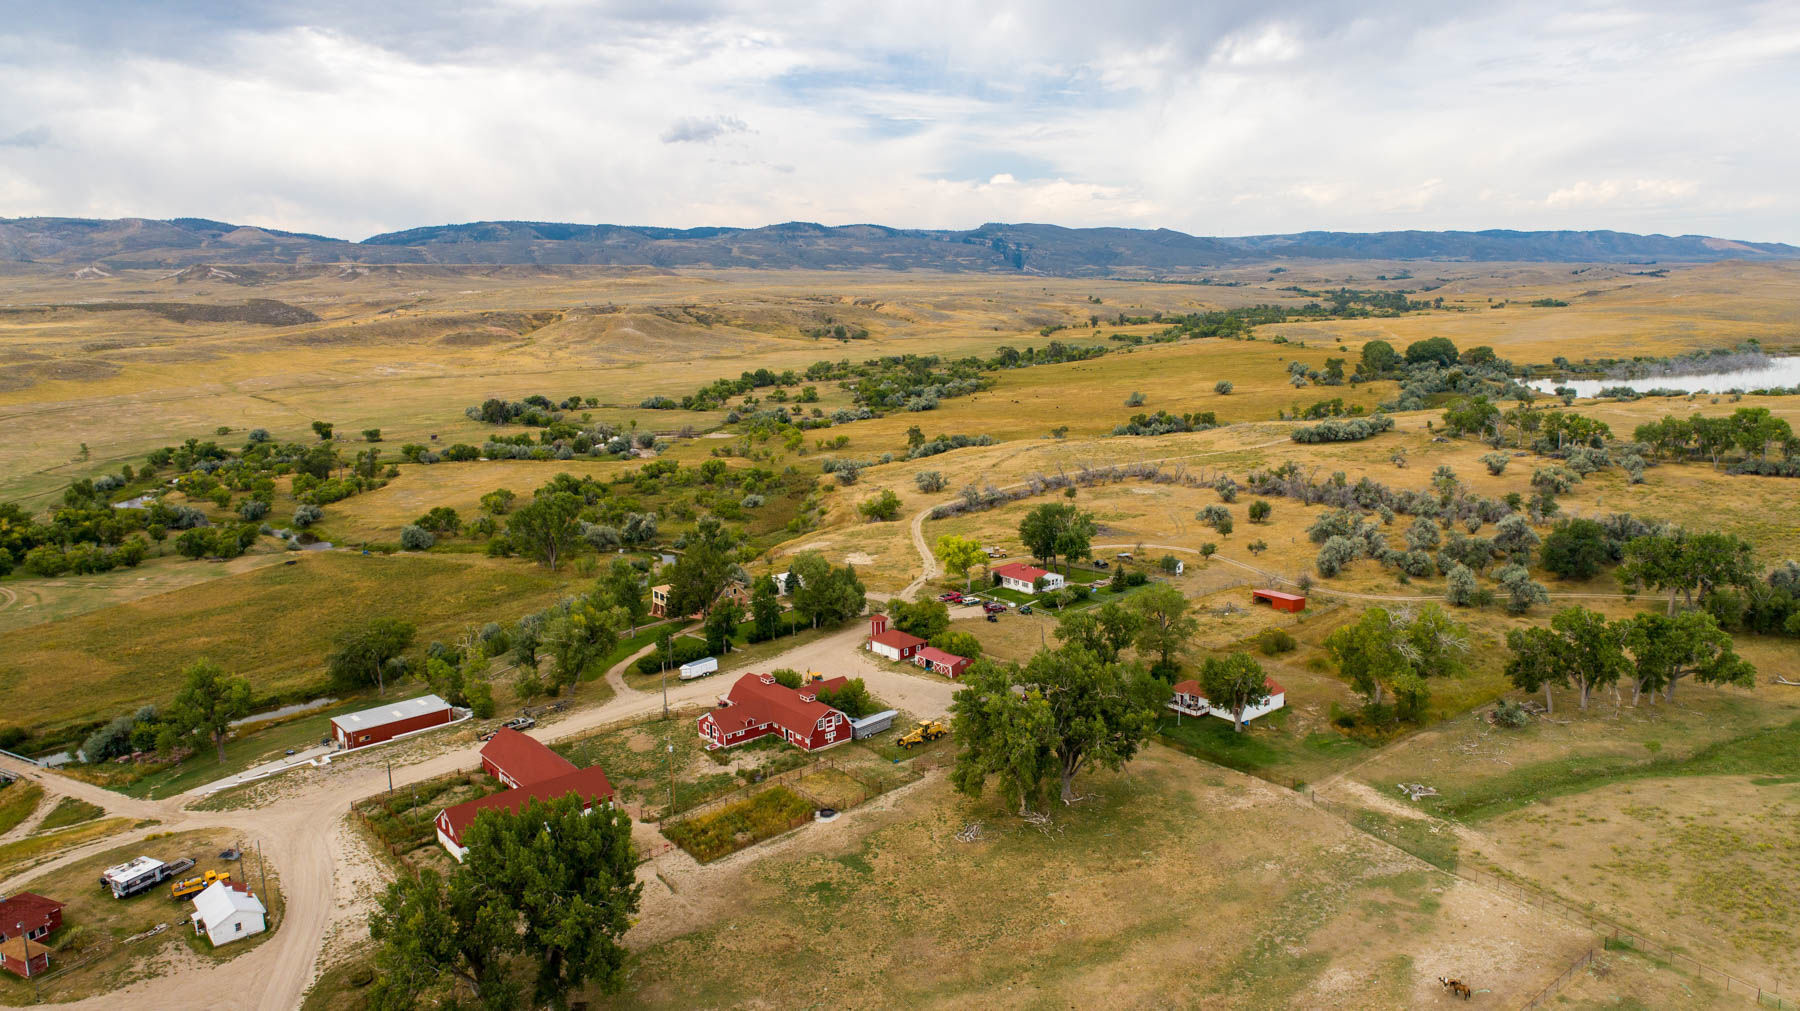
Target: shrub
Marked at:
371, 435
1135, 400
253, 509
930, 481
1337, 552
1260, 510
1496, 463
1554, 479
1460, 586
306, 514
1275, 641
416, 538
881, 508
1522, 592
1223, 387
1337, 430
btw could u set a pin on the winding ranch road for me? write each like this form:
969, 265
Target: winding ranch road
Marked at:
305, 839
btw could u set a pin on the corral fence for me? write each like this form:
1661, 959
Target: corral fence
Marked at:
1612, 936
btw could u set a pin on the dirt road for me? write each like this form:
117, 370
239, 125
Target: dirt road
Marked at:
306, 842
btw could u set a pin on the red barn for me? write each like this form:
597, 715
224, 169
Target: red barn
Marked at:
533, 772
26, 919
939, 662
757, 706
1278, 600
386, 722
518, 760
891, 642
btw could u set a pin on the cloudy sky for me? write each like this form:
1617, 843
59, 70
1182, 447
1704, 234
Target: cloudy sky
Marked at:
351, 117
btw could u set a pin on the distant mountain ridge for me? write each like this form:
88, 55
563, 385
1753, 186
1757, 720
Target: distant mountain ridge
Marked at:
126, 243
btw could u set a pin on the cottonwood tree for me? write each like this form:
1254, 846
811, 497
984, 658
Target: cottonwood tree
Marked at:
625, 587
1664, 650
1579, 649
959, 555
765, 607
1104, 632
825, 595
1164, 627
550, 886
721, 624
1691, 565
1235, 682
586, 631
704, 569
1398, 652
362, 655
547, 527
1058, 530
207, 703
1064, 712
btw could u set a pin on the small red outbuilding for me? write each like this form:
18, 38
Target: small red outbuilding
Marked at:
386, 722
1278, 600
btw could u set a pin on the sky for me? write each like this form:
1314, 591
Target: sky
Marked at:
349, 118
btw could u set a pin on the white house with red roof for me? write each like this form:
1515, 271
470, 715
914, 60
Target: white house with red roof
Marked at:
940, 662
531, 771
1025, 578
758, 705
1190, 700
891, 642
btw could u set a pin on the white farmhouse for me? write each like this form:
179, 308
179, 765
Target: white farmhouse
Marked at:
227, 912
1191, 700
1025, 578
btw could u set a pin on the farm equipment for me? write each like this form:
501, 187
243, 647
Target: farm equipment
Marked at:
190, 887
927, 730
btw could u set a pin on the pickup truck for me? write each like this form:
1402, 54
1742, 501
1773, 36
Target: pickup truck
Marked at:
993, 607
951, 598
520, 723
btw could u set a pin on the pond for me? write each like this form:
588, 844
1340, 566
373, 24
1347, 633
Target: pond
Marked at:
1783, 372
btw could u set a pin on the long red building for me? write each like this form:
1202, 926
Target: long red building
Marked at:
758, 706
531, 771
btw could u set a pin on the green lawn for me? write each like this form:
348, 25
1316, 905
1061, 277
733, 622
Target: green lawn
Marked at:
1268, 748
69, 811
17, 802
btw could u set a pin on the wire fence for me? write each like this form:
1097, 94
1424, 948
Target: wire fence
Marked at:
1611, 934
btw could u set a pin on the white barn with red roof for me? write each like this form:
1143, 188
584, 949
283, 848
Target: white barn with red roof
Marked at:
1025, 578
758, 705
531, 771
1190, 700
891, 642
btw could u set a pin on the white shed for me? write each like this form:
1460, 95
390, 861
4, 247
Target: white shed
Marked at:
227, 912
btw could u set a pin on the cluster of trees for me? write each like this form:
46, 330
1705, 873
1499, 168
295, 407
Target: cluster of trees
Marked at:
1751, 431
1583, 650
1343, 430
1032, 729
202, 711
1058, 530
1163, 423
1395, 654
550, 887
536, 410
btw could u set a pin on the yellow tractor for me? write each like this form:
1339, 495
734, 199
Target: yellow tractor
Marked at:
927, 730
195, 885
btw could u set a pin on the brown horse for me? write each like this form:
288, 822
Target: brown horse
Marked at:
1456, 987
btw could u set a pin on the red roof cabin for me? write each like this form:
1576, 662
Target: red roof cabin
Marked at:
386, 722
532, 772
1189, 699
26, 919
1278, 600
939, 662
1025, 578
891, 642
758, 706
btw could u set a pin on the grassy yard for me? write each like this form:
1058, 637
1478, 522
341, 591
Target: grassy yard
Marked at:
273, 625
18, 802
1262, 900
69, 811
726, 830
97, 928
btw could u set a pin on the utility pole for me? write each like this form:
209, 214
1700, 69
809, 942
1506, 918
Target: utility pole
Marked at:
390, 769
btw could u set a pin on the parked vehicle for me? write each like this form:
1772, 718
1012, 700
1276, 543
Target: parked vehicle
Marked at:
699, 668
927, 730
140, 873
1024, 608
520, 723
951, 597
1123, 556
994, 618
189, 887
1100, 563
993, 607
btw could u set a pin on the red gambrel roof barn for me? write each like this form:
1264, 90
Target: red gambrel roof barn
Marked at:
758, 706
533, 772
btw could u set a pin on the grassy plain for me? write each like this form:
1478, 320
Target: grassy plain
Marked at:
273, 625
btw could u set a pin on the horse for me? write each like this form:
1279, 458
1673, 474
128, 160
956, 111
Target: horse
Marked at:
1456, 987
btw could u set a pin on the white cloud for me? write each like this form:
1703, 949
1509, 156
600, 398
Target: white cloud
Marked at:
1223, 118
